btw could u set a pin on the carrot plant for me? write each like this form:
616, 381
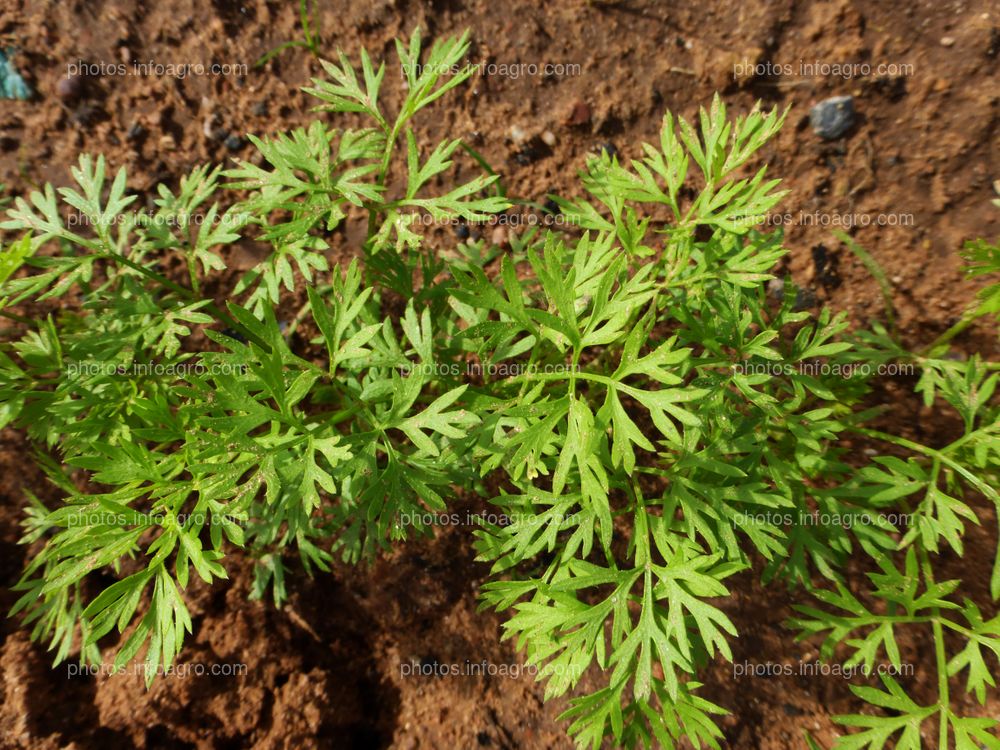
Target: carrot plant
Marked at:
655, 420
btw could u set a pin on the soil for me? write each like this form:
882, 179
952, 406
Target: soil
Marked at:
919, 164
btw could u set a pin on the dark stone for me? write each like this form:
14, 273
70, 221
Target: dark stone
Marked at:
805, 299
69, 88
832, 117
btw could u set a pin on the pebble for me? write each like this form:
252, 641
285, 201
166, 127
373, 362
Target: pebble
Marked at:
135, 132
776, 288
518, 134
208, 126
996, 186
462, 232
805, 298
947, 41
68, 88
529, 153
579, 114
499, 236
549, 138
234, 142
832, 117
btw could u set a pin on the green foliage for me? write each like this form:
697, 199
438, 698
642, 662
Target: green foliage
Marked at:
310, 35
651, 422
942, 490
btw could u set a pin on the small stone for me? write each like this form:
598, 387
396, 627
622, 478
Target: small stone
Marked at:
518, 135
68, 88
124, 55
805, 298
832, 117
549, 138
233, 142
462, 232
208, 127
776, 288
135, 132
897, 279
167, 142
996, 186
947, 41
499, 236
530, 152
579, 114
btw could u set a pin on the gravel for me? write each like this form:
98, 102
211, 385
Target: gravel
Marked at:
832, 117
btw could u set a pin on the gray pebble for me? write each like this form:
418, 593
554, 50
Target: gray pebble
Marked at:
68, 88
234, 143
832, 117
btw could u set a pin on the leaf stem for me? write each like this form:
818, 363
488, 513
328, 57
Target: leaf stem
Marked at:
940, 657
970, 316
932, 453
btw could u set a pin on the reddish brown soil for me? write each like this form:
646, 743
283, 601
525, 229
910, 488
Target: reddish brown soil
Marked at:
325, 672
